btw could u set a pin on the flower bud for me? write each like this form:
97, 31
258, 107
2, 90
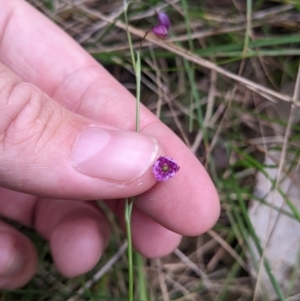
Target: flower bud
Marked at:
164, 20
160, 31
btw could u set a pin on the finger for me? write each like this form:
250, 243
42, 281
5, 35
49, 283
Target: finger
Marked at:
148, 237
17, 206
18, 258
47, 150
72, 78
78, 234
188, 204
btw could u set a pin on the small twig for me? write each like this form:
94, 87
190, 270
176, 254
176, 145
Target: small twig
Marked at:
162, 282
103, 270
228, 248
207, 283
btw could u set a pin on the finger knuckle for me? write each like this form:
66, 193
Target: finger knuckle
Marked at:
24, 115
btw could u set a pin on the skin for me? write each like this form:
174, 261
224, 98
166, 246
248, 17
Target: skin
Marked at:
51, 92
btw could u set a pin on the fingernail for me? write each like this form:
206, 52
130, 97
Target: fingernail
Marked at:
114, 155
11, 259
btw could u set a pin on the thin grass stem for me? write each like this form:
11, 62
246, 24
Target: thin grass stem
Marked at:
136, 63
128, 211
126, 6
141, 277
138, 91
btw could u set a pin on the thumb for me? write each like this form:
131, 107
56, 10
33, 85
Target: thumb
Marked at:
47, 150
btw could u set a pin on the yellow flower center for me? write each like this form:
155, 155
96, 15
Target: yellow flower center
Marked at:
165, 168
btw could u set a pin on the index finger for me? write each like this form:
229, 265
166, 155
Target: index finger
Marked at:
40, 53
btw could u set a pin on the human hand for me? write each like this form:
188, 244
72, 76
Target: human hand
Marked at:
66, 134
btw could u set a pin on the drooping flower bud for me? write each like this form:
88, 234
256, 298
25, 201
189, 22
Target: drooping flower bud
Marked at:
160, 31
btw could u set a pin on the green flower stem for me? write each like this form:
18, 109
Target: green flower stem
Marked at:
129, 204
136, 63
141, 276
138, 91
128, 211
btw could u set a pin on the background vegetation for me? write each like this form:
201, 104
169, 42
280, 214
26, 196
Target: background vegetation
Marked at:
224, 81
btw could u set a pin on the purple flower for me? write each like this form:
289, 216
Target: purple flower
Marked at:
164, 168
163, 20
160, 31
